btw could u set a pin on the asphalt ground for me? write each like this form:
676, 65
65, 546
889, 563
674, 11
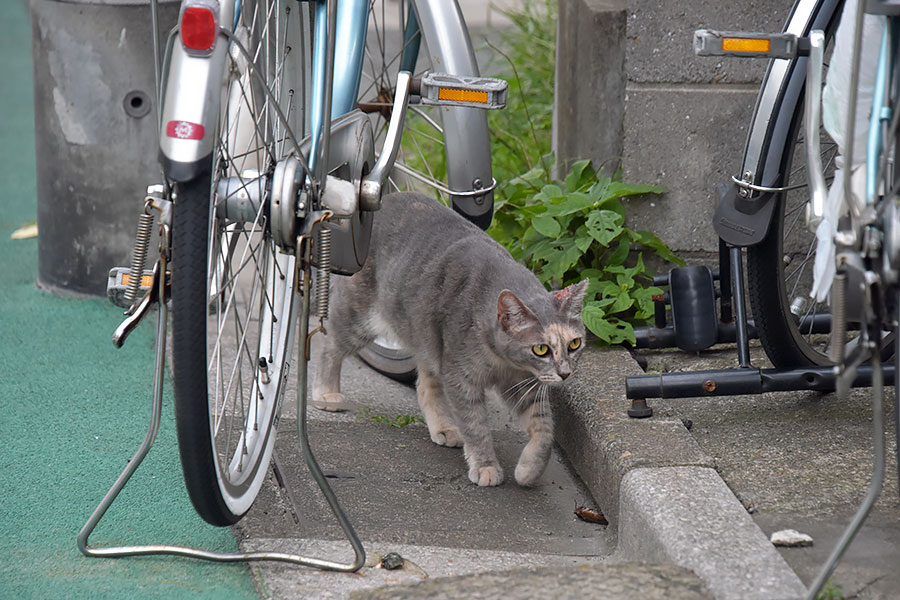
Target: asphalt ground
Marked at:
74, 411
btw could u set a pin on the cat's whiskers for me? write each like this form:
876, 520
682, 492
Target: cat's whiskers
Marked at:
514, 388
526, 394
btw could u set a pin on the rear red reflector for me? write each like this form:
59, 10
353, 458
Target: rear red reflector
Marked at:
184, 130
198, 28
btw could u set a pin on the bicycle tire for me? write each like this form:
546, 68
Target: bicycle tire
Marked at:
232, 298
780, 314
457, 161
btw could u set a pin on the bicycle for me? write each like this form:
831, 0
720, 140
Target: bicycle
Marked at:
268, 132
780, 213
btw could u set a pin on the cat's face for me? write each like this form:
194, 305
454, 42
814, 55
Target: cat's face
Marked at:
548, 345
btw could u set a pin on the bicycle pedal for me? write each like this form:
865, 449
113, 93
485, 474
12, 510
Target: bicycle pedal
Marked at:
487, 93
749, 44
117, 283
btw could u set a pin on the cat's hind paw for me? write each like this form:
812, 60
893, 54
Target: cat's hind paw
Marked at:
486, 476
332, 402
449, 437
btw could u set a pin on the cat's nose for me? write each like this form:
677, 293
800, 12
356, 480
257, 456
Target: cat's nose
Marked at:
563, 372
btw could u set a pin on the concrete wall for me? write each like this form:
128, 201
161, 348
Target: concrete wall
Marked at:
630, 89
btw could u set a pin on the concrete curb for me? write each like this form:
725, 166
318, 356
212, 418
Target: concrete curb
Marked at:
661, 490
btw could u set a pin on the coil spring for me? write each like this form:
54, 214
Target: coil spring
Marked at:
139, 256
838, 318
323, 274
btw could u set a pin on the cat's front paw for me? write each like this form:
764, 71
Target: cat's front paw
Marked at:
532, 462
449, 437
486, 476
527, 474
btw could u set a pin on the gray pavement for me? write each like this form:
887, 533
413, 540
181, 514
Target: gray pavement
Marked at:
800, 460
693, 508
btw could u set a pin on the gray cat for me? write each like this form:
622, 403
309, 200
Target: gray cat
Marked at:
473, 318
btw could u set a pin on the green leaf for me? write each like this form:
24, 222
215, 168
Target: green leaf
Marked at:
573, 203
546, 226
582, 239
643, 301
604, 226
543, 251
549, 192
610, 330
623, 302
648, 239
581, 174
565, 257
618, 256
617, 189
613, 204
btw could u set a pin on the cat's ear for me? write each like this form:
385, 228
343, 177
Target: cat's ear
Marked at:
514, 317
570, 299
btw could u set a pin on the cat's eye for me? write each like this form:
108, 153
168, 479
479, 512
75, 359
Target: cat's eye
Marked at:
540, 349
575, 344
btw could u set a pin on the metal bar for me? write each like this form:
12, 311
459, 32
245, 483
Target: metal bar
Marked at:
154, 25
303, 264
850, 121
725, 297
741, 381
896, 365
135, 462
321, 168
150, 438
874, 484
740, 309
818, 190
655, 337
659, 337
412, 39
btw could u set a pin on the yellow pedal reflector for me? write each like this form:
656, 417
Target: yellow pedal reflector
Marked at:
457, 95
745, 45
748, 44
146, 280
455, 90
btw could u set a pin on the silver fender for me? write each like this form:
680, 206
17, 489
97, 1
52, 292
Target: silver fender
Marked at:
192, 95
463, 127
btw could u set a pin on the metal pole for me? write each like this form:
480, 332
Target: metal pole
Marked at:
874, 485
303, 262
740, 308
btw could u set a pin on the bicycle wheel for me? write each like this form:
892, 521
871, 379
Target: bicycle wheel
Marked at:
232, 291
793, 328
444, 149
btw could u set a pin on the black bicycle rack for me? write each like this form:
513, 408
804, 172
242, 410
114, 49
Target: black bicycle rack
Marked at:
695, 325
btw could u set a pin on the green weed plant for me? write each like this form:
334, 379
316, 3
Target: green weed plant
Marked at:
566, 231
365, 414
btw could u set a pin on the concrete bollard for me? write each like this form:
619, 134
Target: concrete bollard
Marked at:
589, 102
95, 134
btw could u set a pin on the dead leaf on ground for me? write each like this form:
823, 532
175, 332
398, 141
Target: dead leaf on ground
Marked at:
26, 231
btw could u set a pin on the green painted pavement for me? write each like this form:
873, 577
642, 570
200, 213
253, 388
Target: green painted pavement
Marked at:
73, 410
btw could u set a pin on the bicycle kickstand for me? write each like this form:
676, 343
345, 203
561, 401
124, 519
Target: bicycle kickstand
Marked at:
157, 294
